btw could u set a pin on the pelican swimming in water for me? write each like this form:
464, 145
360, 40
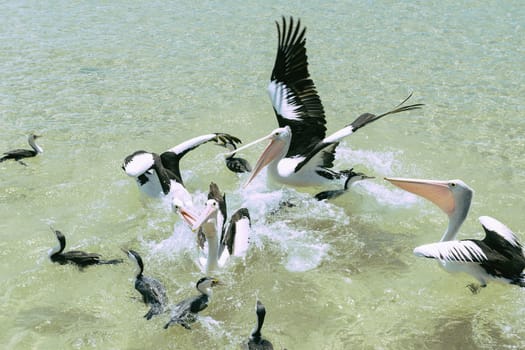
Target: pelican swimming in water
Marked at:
351, 178
223, 241
160, 175
152, 291
18, 154
299, 152
256, 341
75, 257
222, 244
499, 256
185, 312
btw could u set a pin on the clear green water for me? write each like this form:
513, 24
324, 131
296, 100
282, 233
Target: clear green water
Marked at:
102, 79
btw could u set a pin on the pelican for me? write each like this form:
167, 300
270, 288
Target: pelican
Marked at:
351, 178
159, 175
18, 154
75, 257
256, 341
185, 312
223, 241
498, 257
299, 152
152, 291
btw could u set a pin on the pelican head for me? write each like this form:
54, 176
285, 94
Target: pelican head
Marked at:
210, 212
447, 195
279, 143
177, 206
452, 196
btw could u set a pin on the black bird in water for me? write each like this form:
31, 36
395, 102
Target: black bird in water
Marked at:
75, 257
256, 341
185, 312
351, 178
18, 154
236, 164
152, 291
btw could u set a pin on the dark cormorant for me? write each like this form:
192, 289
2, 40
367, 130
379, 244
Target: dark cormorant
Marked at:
18, 154
256, 341
75, 257
152, 291
185, 312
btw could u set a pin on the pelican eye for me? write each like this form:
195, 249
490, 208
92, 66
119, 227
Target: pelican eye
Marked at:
452, 184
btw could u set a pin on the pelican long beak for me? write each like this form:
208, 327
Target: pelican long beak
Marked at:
187, 215
205, 215
271, 152
248, 145
438, 192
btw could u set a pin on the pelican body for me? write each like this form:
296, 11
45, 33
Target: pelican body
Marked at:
185, 312
299, 152
152, 291
498, 257
256, 341
159, 175
19, 154
75, 257
223, 241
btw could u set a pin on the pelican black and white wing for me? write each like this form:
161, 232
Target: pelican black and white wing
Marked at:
236, 237
323, 154
497, 234
292, 92
459, 251
171, 158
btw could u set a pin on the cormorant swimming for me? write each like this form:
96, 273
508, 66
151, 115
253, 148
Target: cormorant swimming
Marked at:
75, 257
18, 154
152, 291
256, 341
185, 312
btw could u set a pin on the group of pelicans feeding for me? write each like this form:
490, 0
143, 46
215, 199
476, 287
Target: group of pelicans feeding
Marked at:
298, 154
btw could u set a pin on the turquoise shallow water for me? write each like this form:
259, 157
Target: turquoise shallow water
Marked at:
100, 80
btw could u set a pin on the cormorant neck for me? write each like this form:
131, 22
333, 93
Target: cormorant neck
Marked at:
33, 145
59, 248
206, 291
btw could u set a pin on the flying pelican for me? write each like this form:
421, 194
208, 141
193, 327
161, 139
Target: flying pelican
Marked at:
152, 291
159, 175
18, 154
256, 341
185, 312
299, 153
499, 256
75, 257
351, 178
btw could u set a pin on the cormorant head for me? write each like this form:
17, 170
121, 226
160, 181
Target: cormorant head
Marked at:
61, 243
205, 283
136, 258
